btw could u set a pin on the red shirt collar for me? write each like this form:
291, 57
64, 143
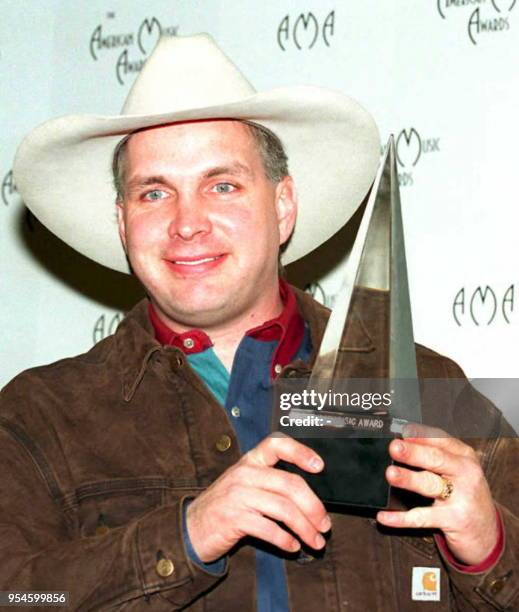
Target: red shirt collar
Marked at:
288, 328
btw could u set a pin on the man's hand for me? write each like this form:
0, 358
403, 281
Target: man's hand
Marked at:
468, 517
251, 496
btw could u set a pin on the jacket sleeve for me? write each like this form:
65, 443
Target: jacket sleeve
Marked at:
498, 587
143, 559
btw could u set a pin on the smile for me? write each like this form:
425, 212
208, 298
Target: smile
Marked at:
195, 265
195, 262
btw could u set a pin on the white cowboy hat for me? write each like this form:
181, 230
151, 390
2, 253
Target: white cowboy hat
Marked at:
63, 168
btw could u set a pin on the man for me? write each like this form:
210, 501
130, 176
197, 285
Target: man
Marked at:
141, 474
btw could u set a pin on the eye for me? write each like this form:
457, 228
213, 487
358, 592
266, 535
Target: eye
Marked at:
224, 188
155, 194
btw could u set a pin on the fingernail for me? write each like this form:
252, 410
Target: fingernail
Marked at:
326, 523
386, 517
393, 471
295, 546
319, 541
399, 447
316, 463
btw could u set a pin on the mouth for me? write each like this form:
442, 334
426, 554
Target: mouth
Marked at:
195, 262
195, 265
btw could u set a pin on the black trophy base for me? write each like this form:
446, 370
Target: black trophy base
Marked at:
354, 472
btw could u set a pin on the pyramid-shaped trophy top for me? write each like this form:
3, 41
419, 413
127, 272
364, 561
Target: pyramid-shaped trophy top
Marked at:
377, 262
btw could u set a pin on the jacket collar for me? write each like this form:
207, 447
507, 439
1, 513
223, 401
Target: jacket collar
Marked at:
135, 345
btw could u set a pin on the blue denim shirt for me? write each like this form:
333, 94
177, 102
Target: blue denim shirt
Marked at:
245, 395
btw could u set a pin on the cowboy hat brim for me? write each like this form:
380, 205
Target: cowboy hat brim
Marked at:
63, 169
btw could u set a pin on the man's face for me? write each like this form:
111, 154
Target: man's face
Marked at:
202, 224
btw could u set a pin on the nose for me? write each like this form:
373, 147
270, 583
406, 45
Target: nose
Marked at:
190, 218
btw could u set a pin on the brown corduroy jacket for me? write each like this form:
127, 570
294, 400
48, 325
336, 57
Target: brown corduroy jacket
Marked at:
98, 453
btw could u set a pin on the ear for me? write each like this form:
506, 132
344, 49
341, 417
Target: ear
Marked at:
286, 208
121, 222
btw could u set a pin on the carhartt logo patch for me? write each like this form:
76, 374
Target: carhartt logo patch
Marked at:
426, 584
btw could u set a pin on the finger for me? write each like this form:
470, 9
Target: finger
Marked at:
433, 436
282, 509
419, 430
291, 486
273, 448
265, 529
416, 518
427, 457
424, 483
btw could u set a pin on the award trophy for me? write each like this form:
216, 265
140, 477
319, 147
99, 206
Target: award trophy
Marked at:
353, 440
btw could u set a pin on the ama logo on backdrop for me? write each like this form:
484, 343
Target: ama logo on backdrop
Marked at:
306, 30
106, 325
129, 49
483, 305
410, 149
483, 17
9, 189
11, 198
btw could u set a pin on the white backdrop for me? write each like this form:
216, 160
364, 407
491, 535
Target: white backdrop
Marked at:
439, 74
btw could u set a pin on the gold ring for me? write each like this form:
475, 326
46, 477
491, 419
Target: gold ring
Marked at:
447, 489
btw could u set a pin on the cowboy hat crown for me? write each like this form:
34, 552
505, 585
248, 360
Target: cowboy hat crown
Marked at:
63, 168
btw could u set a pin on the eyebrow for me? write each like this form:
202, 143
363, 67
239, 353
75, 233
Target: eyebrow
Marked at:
142, 181
235, 169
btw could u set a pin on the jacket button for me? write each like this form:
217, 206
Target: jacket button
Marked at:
496, 586
223, 443
165, 568
101, 528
